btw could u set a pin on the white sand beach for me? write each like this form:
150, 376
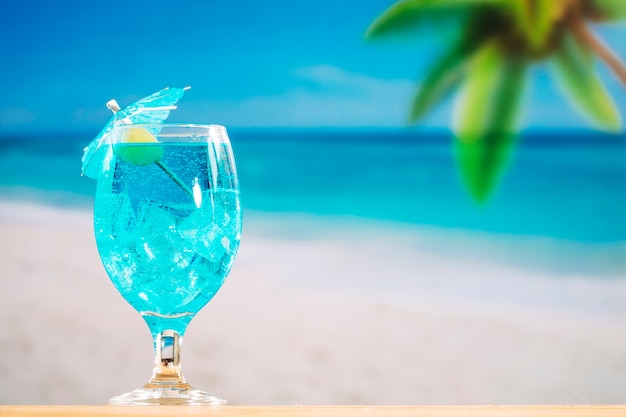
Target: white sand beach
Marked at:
319, 311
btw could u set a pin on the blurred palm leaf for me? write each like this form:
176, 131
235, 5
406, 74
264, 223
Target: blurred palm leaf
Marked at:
499, 39
535, 19
406, 14
611, 9
574, 64
486, 118
443, 78
448, 73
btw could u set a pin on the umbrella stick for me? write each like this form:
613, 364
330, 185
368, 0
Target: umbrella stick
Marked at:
175, 178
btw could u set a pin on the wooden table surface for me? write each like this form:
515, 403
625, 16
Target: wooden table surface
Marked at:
314, 411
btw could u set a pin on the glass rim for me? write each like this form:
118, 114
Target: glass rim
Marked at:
173, 125
183, 132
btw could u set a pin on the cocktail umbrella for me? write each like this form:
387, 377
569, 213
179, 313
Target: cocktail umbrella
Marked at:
152, 109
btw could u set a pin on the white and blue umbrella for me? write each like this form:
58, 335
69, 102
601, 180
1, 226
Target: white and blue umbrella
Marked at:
152, 109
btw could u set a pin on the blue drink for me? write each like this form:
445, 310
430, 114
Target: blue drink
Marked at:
167, 252
167, 221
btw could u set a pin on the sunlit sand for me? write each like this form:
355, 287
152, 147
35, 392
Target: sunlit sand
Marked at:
316, 311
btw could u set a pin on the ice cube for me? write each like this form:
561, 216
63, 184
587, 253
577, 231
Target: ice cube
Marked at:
155, 218
112, 226
121, 268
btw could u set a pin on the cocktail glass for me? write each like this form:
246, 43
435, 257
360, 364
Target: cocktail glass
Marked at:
167, 221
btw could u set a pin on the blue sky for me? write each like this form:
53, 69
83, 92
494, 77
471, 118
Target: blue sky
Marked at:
275, 63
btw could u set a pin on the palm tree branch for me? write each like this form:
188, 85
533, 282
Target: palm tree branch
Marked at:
588, 38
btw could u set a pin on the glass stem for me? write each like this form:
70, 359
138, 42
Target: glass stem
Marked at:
167, 367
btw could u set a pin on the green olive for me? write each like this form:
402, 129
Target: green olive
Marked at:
138, 147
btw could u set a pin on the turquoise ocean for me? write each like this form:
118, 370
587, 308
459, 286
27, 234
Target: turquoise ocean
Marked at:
568, 187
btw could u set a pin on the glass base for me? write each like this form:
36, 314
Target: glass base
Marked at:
178, 394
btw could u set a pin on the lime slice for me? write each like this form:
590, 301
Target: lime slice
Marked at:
133, 147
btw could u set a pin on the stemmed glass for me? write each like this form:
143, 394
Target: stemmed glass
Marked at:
167, 221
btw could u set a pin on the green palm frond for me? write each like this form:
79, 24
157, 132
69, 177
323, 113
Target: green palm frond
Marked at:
448, 73
535, 19
611, 9
499, 40
407, 14
487, 114
574, 64
441, 81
